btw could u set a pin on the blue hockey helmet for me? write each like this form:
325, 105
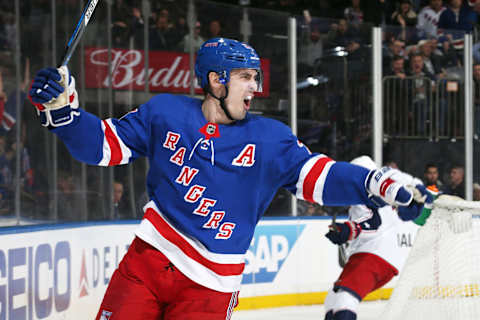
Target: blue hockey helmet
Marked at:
222, 55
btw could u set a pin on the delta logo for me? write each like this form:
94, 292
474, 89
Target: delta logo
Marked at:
97, 267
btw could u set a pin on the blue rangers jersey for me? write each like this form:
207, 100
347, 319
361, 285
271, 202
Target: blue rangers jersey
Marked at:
209, 184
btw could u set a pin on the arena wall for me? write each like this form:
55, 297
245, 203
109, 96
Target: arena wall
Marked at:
61, 271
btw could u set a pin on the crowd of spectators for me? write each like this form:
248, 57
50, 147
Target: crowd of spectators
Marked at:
422, 38
167, 26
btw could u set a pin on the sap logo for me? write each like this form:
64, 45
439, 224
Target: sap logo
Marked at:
268, 251
35, 281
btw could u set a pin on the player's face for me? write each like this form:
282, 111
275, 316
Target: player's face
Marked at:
241, 89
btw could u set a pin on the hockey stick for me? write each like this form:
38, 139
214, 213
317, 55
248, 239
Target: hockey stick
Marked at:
342, 254
79, 30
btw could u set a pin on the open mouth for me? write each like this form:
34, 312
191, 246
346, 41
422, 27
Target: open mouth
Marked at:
247, 102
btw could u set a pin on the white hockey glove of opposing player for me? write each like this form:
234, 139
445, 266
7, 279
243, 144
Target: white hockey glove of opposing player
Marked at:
53, 94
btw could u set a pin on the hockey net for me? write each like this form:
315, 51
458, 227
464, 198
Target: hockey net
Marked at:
441, 277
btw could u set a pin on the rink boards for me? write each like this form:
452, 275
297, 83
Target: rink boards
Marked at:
61, 271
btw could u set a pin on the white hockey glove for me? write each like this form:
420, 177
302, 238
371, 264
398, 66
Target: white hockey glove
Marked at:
53, 94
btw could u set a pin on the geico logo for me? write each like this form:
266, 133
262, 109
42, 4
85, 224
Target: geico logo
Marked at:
34, 281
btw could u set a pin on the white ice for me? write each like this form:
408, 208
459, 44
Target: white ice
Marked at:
368, 310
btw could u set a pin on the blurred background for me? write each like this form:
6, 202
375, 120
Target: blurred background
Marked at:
423, 89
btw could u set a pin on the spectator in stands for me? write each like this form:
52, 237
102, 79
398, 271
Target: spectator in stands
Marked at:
476, 100
395, 48
137, 27
354, 14
311, 47
69, 200
405, 16
120, 34
456, 184
394, 88
3, 95
7, 31
444, 53
162, 35
341, 35
3, 37
195, 42
397, 68
455, 20
476, 192
377, 11
120, 26
26, 170
181, 28
431, 65
476, 80
428, 18
6, 176
214, 29
419, 87
430, 177
417, 67
120, 207
8, 109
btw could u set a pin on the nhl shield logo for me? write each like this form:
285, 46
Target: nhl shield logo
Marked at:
105, 315
211, 129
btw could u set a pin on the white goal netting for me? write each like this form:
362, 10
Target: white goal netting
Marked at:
441, 278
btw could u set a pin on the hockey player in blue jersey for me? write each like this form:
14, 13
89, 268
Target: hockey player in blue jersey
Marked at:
214, 168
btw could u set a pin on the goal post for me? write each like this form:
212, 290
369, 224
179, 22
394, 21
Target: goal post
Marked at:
441, 277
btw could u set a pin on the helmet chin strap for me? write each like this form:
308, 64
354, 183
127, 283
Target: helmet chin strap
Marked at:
222, 102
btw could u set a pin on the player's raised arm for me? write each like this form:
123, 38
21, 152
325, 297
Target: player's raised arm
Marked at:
89, 139
318, 178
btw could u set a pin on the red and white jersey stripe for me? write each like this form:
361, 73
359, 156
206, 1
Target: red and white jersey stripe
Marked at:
115, 151
221, 272
312, 178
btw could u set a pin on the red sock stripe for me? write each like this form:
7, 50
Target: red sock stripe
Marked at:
115, 150
172, 236
312, 177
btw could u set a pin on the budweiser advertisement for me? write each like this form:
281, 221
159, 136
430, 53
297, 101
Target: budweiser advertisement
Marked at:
168, 71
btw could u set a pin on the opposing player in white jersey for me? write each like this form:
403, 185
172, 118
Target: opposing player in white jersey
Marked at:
427, 23
372, 253
214, 168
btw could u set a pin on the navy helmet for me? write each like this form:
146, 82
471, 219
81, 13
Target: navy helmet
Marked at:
222, 55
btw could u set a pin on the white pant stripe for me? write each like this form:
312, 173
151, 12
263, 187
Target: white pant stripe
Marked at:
233, 302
